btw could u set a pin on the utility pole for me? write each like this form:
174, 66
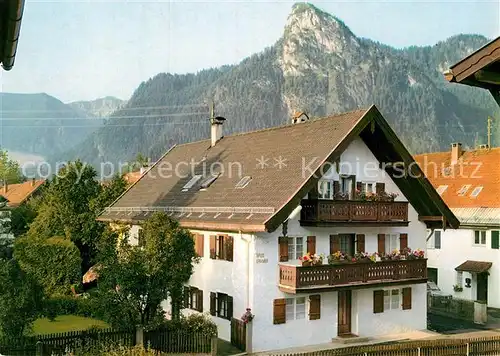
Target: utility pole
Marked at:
490, 119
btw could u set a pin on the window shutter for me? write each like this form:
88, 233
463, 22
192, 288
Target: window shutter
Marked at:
200, 239
334, 243
314, 307
313, 193
229, 307
359, 186
495, 239
381, 243
378, 301
403, 241
213, 247
200, 300
279, 311
283, 248
407, 298
380, 188
336, 187
186, 293
360, 242
311, 245
213, 303
229, 247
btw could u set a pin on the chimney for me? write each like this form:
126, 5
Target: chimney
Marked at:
216, 129
5, 186
456, 152
33, 182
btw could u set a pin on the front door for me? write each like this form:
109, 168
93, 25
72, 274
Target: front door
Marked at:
344, 312
482, 287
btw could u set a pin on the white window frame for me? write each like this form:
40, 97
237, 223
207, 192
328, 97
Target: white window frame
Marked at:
191, 182
475, 192
243, 182
321, 190
295, 310
293, 251
390, 240
481, 234
460, 278
464, 189
364, 187
390, 300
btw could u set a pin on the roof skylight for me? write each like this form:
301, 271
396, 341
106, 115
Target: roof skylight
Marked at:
441, 189
191, 182
208, 182
476, 191
464, 189
243, 182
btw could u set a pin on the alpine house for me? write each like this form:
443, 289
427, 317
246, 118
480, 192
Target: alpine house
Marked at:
300, 223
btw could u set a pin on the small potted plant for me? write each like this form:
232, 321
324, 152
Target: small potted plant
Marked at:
337, 258
458, 288
363, 257
306, 260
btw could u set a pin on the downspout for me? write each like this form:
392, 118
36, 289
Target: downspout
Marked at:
248, 269
11, 30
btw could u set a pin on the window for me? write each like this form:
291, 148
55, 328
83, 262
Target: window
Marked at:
208, 182
367, 187
325, 189
191, 182
464, 189
193, 298
476, 192
221, 305
441, 189
295, 247
295, 308
437, 239
346, 185
480, 237
346, 244
392, 299
391, 242
221, 247
460, 276
243, 182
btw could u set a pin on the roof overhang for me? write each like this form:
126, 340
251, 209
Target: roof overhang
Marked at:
11, 12
474, 266
479, 69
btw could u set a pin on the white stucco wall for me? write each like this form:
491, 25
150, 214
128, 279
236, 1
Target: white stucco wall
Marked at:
457, 246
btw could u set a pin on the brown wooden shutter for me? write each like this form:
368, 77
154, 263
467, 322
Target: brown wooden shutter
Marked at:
381, 244
213, 303
379, 188
213, 247
403, 241
378, 301
229, 307
311, 245
283, 248
336, 187
313, 193
334, 243
279, 311
201, 245
229, 247
359, 186
406, 298
314, 307
360, 242
186, 293
200, 300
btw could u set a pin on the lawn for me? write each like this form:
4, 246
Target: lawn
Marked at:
65, 323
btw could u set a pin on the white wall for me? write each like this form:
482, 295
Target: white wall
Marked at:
457, 246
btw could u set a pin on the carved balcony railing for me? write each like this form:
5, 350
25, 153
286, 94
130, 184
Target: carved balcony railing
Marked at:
295, 279
338, 211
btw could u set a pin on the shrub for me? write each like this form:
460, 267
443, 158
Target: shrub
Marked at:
119, 351
193, 323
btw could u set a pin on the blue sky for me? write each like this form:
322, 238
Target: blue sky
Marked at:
88, 49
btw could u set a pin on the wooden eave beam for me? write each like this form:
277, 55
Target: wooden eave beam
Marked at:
486, 76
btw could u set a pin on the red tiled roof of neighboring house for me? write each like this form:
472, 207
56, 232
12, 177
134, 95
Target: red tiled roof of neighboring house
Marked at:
132, 177
475, 168
274, 159
17, 194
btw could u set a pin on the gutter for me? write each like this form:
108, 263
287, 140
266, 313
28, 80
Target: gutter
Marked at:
12, 29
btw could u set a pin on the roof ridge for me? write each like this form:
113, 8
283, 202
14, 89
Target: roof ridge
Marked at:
279, 127
464, 151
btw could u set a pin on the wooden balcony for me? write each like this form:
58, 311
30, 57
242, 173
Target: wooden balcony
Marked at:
343, 212
296, 279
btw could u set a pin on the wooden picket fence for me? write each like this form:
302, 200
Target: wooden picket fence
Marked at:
437, 347
161, 340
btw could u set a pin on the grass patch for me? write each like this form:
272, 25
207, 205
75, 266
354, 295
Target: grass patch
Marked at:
65, 323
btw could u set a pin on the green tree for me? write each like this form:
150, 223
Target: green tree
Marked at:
9, 169
139, 278
21, 300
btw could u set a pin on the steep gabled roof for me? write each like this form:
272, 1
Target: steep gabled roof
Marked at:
284, 164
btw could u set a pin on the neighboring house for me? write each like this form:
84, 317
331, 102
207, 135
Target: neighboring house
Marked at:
278, 193
11, 13
12, 196
466, 262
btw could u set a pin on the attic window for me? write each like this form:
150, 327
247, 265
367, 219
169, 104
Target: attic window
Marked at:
441, 189
208, 182
243, 182
191, 182
476, 191
464, 189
